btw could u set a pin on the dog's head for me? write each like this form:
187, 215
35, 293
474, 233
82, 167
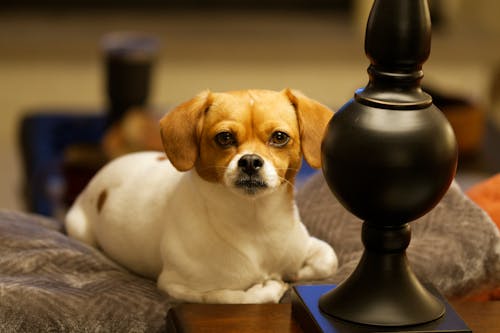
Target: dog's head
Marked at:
251, 141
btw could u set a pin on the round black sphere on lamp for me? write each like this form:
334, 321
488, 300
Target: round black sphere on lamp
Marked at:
389, 156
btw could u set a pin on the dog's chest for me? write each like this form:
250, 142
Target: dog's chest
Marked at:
269, 236
230, 237
276, 254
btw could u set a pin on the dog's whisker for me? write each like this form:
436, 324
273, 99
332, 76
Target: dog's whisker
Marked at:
286, 181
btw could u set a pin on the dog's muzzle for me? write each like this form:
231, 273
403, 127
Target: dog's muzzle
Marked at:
250, 179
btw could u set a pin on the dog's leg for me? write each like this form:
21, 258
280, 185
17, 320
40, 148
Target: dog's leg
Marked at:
269, 291
321, 262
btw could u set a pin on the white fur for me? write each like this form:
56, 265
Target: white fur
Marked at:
199, 240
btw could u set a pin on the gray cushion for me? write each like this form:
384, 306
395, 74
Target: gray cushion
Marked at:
455, 246
49, 282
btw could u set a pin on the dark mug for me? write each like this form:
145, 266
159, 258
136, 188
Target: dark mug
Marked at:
129, 59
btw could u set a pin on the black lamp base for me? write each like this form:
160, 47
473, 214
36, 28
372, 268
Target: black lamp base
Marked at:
306, 311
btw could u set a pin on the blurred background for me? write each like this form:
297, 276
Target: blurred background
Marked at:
55, 69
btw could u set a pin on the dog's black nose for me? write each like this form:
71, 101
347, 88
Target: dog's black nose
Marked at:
250, 163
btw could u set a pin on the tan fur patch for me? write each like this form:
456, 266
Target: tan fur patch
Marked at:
161, 158
101, 200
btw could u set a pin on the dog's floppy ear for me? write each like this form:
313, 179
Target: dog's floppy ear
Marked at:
180, 131
313, 117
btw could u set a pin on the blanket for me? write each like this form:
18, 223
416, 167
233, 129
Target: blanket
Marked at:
455, 247
49, 282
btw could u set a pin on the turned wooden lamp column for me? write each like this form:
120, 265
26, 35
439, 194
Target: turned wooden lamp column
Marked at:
389, 156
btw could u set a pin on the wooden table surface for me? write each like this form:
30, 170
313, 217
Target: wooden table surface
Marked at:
481, 317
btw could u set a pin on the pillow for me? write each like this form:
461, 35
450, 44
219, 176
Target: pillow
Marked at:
51, 283
456, 246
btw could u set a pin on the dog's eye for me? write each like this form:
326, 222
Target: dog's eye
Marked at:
279, 139
225, 139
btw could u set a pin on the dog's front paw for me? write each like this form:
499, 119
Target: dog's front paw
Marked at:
269, 291
320, 263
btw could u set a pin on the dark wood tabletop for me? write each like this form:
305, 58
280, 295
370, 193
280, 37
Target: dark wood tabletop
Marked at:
481, 317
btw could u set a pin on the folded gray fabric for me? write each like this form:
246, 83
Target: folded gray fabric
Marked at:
455, 246
49, 282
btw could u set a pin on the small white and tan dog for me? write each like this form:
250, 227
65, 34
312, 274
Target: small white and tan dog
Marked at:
216, 222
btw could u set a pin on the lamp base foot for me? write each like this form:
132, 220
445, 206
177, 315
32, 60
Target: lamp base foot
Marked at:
306, 311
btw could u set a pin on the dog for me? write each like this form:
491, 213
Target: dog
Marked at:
214, 219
